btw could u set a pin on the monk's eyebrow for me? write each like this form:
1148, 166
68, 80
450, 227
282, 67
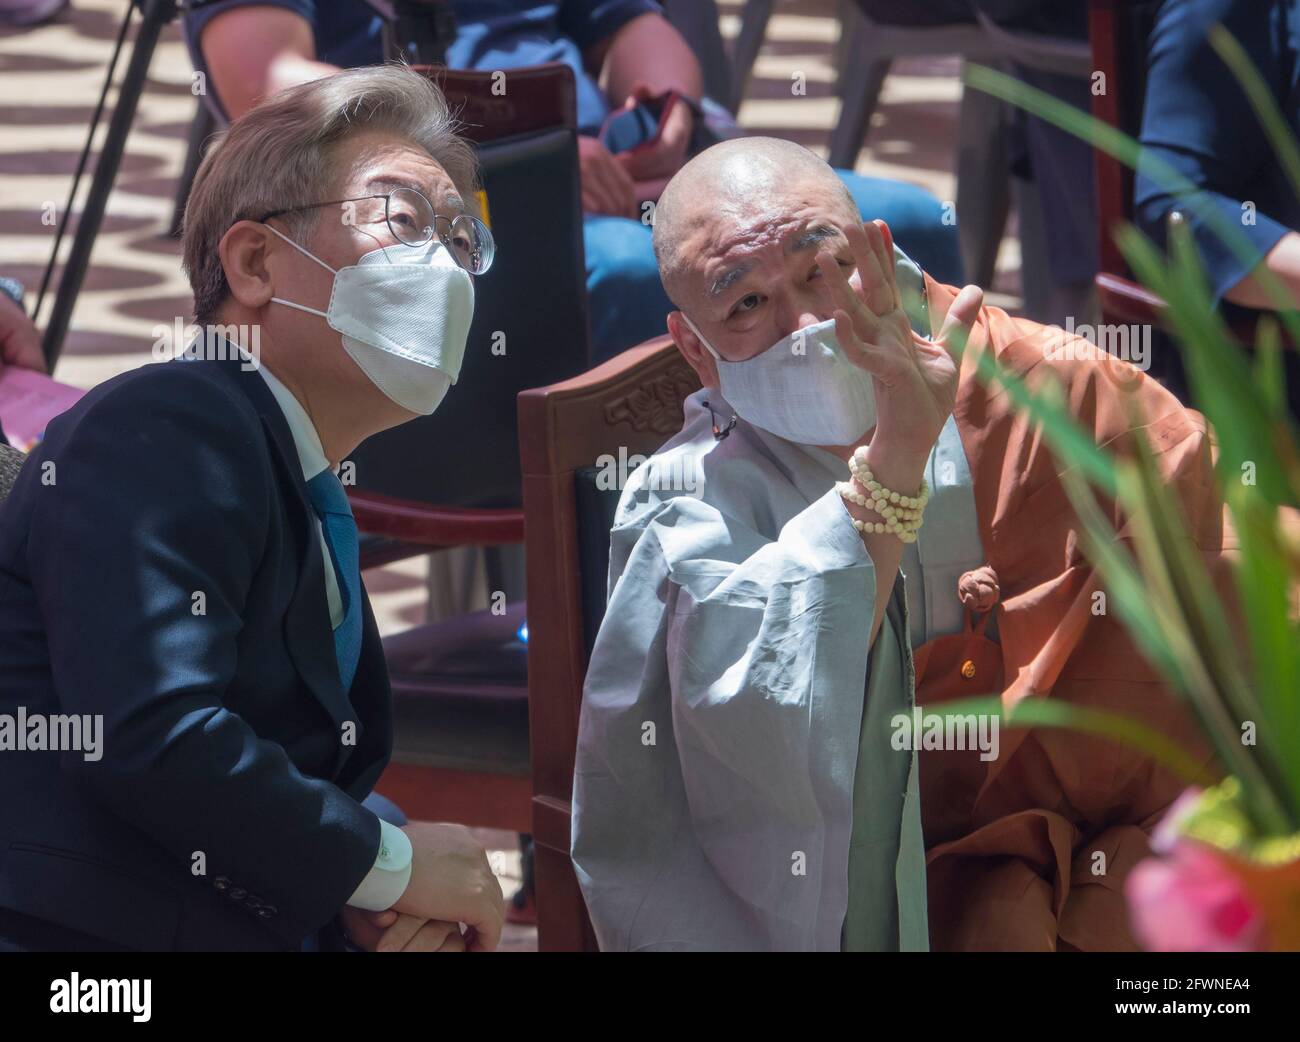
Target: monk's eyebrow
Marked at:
729, 278
805, 241
813, 237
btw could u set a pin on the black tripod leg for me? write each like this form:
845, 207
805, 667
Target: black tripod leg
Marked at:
155, 15
203, 127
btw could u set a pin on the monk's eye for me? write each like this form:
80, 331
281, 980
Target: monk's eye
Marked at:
748, 303
845, 266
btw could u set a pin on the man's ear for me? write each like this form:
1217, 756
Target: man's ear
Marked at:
695, 353
243, 251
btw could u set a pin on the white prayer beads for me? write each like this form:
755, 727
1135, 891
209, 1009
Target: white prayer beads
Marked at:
902, 514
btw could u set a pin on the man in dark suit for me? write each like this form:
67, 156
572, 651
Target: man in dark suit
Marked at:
193, 696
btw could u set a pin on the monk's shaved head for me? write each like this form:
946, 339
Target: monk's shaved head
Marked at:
730, 185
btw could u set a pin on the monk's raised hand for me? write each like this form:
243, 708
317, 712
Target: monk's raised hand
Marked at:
938, 360
873, 279
915, 378
872, 329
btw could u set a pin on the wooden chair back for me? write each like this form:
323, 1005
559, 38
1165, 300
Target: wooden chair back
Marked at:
629, 405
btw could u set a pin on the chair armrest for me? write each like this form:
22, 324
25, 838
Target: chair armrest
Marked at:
427, 525
1125, 301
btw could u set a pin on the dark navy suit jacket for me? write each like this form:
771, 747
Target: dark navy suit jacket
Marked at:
159, 566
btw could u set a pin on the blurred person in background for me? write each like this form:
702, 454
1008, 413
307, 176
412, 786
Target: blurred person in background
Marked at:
1058, 165
24, 13
20, 342
621, 51
1197, 119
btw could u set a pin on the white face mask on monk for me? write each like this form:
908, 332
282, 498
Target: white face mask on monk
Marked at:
802, 388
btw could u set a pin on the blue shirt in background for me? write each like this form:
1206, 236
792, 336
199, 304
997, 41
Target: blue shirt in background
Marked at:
491, 34
1197, 119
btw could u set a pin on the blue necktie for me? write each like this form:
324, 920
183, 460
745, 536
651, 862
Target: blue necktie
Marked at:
340, 531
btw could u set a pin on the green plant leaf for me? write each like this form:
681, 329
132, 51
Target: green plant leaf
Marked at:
1269, 373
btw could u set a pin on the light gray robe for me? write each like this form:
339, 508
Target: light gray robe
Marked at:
723, 708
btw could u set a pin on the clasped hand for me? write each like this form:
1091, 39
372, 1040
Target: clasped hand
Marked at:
451, 883
391, 931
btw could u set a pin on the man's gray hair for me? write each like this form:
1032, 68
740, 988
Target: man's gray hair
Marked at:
281, 153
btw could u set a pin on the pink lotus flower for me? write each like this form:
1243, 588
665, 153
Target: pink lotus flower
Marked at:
1190, 900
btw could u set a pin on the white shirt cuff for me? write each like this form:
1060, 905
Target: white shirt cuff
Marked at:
387, 879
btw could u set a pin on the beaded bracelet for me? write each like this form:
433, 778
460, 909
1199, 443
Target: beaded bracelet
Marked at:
905, 527
902, 514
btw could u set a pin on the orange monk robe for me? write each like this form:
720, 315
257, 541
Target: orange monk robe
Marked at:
1030, 850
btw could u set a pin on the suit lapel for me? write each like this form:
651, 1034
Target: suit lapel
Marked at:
307, 632
309, 637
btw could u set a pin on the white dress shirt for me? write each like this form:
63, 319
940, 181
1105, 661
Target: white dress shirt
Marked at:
386, 881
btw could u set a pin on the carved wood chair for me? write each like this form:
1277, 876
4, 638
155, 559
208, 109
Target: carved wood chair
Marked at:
632, 404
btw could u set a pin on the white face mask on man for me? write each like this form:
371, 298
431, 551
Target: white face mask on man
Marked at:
802, 388
404, 312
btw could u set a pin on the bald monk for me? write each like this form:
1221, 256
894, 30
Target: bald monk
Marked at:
850, 525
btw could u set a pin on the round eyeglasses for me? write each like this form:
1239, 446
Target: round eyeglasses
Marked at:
413, 221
